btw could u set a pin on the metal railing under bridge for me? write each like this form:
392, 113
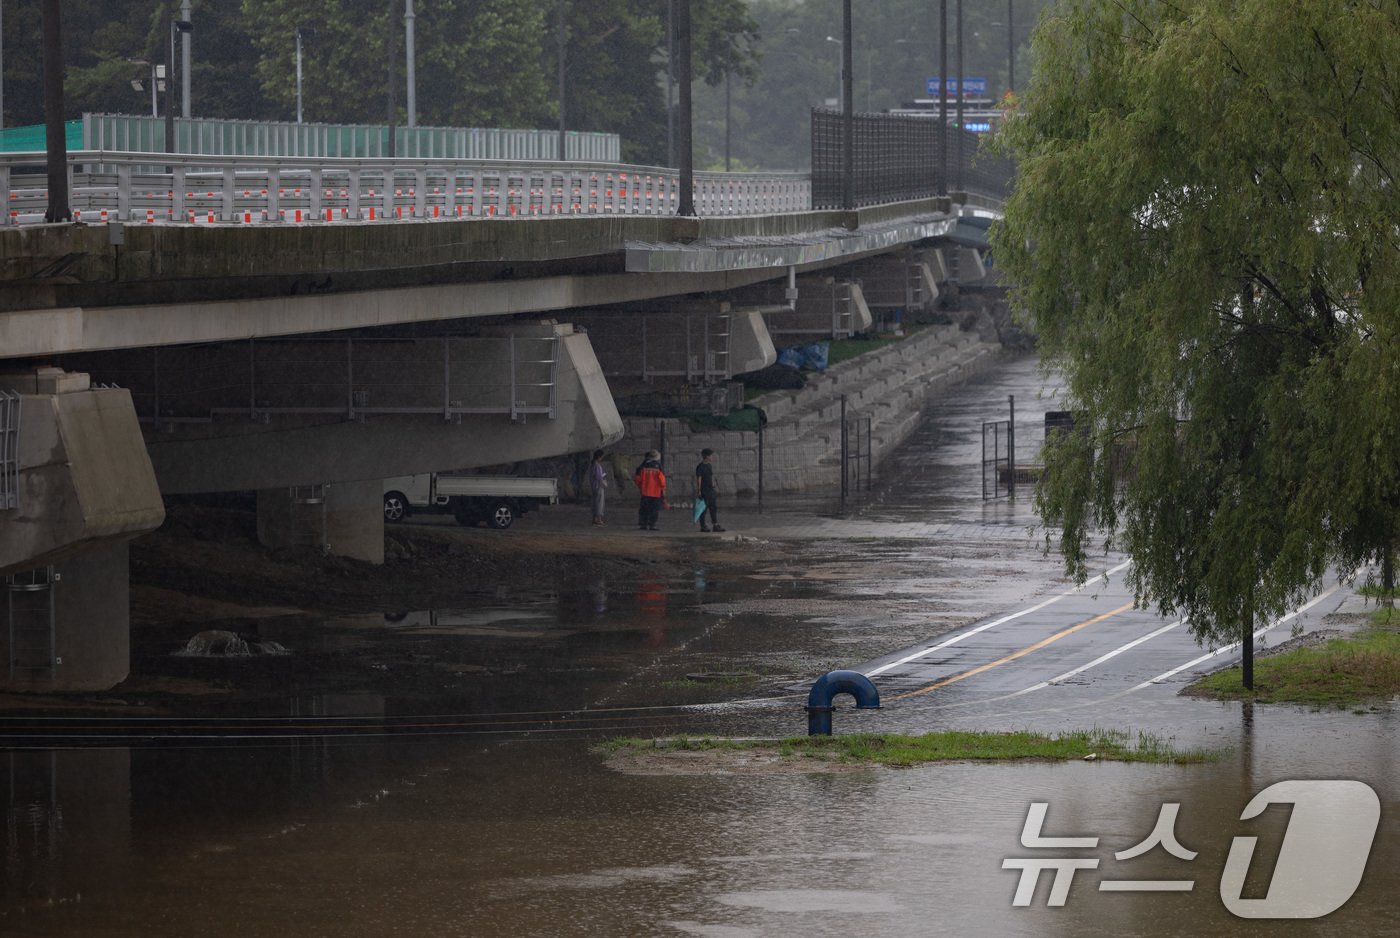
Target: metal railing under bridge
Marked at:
350, 378
133, 187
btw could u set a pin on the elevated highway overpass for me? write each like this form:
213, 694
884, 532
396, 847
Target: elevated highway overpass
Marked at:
310, 329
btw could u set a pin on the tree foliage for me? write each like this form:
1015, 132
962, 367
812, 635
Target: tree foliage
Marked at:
1204, 237
479, 63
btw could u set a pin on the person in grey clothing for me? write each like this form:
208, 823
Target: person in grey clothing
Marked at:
598, 485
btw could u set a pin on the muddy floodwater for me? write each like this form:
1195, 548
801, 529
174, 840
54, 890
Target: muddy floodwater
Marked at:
360, 814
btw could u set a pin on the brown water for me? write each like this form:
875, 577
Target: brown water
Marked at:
505, 822
450, 837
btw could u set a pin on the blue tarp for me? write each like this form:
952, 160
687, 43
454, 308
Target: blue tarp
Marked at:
811, 357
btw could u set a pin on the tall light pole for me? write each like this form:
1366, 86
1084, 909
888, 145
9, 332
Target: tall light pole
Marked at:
848, 128
185, 37
670, 83
685, 205
840, 73
1010, 45
176, 27
155, 76
391, 150
562, 38
962, 82
943, 95
303, 32
55, 142
409, 57
727, 115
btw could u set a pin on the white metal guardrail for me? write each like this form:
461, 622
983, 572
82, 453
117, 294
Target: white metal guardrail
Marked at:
134, 187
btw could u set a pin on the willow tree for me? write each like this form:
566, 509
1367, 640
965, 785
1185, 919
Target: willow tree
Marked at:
1204, 236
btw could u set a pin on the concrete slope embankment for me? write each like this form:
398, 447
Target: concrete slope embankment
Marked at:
802, 439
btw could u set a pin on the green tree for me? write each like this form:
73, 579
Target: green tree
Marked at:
478, 61
107, 43
616, 59
1203, 236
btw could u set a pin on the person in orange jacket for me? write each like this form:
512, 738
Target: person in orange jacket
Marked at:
651, 482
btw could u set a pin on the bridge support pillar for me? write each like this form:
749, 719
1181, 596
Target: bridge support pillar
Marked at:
66, 627
343, 518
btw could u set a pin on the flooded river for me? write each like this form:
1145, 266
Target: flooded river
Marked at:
352, 816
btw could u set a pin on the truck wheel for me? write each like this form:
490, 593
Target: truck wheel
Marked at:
395, 506
501, 516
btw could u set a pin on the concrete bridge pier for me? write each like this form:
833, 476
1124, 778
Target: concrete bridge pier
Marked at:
341, 518
75, 486
67, 626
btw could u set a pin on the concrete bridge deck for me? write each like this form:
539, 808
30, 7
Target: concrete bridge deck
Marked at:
170, 314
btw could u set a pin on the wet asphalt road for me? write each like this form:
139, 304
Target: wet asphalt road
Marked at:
505, 823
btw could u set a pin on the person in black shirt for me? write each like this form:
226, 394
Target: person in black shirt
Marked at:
705, 488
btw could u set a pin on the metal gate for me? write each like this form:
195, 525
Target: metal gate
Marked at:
998, 459
856, 450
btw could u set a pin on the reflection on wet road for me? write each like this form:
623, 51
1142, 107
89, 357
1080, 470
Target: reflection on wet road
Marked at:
1085, 647
356, 816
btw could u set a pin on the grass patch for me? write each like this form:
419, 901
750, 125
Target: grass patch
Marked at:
1343, 672
901, 750
843, 350
1386, 617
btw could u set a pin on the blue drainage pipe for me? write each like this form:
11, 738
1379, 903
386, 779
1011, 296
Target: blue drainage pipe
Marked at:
825, 690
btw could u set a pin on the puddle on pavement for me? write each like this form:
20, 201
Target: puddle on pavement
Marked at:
506, 823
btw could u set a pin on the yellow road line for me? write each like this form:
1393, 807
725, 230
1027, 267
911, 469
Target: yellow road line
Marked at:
1014, 655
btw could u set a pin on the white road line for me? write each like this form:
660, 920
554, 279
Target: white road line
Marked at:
1101, 659
1137, 641
1231, 647
1004, 619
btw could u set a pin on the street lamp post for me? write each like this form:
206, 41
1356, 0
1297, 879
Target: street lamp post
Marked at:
411, 71
56, 146
1010, 45
962, 93
685, 204
840, 73
670, 83
391, 145
185, 60
848, 123
562, 38
176, 28
943, 95
303, 32
155, 77
726, 120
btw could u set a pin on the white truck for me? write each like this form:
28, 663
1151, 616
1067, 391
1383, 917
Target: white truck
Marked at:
497, 500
